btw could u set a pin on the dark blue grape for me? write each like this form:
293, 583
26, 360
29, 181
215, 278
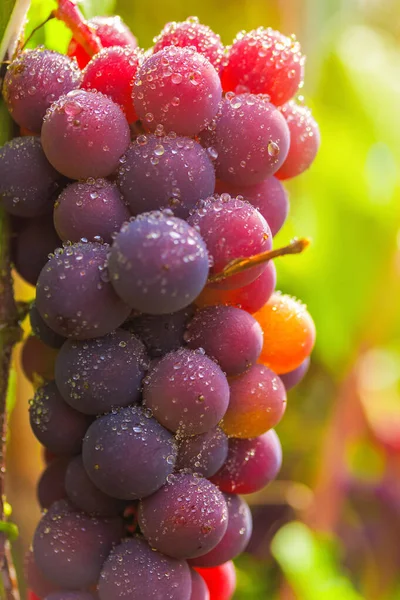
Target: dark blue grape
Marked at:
89, 209
134, 571
55, 424
187, 392
37, 360
186, 518
84, 135
35, 579
70, 547
161, 333
33, 244
204, 453
94, 376
229, 335
167, 172
34, 80
235, 538
42, 331
158, 264
86, 496
74, 295
27, 180
128, 454
51, 486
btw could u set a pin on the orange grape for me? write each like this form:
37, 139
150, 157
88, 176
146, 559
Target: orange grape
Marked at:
289, 333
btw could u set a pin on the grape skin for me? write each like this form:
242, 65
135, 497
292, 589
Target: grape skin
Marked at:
51, 486
204, 453
70, 596
35, 579
42, 331
199, 587
36, 240
37, 360
291, 379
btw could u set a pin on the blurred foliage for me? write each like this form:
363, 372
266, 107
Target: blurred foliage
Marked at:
348, 203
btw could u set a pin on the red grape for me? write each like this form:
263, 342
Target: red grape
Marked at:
204, 453
294, 377
221, 581
199, 587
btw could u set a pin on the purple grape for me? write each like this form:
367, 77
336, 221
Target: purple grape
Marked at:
34, 80
249, 138
37, 360
89, 209
232, 228
269, 197
33, 245
51, 486
86, 496
95, 376
229, 335
187, 392
251, 464
128, 454
55, 424
158, 264
236, 536
74, 296
204, 453
199, 587
134, 571
84, 135
291, 379
71, 547
42, 331
35, 579
167, 172
161, 333
186, 518
70, 596
27, 179
177, 88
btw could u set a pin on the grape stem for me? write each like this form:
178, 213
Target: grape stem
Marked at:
238, 265
68, 12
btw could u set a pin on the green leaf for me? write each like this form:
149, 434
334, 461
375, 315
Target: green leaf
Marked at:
310, 565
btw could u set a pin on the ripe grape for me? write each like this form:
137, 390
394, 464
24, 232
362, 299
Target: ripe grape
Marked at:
111, 31
70, 596
112, 72
35, 578
51, 486
235, 538
221, 581
264, 61
37, 360
289, 333
158, 264
33, 81
27, 179
251, 297
74, 296
257, 403
177, 88
165, 172
36, 240
42, 331
187, 392
251, 464
71, 547
55, 424
84, 135
96, 375
192, 33
204, 453
186, 518
249, 139
83, 494
135, 571
89, 209
294, 377
304, 140
128, 454
199, 587
161, 333
232, 228
269, 197
229, 335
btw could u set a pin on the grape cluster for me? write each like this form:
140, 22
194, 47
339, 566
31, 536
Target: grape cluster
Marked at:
138, 176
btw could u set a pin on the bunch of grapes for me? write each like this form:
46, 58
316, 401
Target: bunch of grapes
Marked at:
137, 179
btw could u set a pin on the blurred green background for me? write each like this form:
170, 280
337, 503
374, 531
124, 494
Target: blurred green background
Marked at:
334, 514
